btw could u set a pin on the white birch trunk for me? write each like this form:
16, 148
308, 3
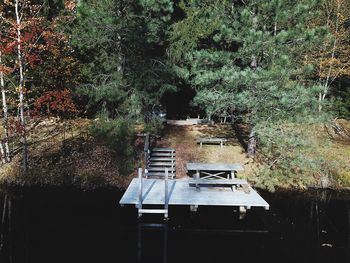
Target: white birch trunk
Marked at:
324, 92
5, 117
21, 89
2, 152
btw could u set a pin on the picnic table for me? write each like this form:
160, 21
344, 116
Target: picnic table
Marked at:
220, 141
213, 174
214, 170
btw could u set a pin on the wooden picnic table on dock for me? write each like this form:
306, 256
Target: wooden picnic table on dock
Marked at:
213, 170
213, 174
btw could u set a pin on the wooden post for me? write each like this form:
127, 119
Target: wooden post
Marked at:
197, 179
166, 201
193, 208
140, 191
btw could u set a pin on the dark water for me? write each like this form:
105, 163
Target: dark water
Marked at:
73, 226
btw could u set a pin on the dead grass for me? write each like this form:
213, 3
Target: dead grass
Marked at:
64, 153
183, 139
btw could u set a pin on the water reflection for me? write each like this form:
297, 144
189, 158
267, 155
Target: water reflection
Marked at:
71, 226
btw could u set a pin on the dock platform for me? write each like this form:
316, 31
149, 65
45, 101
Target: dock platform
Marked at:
179, 192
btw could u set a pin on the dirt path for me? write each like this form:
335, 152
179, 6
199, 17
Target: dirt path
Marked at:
183, 139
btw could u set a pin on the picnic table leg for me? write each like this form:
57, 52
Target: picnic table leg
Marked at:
232, 174
197, 179
221, 144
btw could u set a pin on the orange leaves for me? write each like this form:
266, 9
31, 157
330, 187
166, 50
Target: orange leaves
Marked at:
33, 60
5, 70
56, 102
8, 48
69, 4
332, 59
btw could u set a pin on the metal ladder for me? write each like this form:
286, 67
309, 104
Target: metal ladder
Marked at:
142, 210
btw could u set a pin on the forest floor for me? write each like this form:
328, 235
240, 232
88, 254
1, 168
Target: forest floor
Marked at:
64, 153
183, 139
329, 145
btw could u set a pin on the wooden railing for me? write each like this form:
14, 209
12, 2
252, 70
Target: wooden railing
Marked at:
146, 149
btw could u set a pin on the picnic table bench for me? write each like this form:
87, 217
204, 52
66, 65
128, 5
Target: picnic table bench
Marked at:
220, 141
233, 183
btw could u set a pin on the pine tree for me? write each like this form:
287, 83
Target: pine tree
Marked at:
121, 45
245, 58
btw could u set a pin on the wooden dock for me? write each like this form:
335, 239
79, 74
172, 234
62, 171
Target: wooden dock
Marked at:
163, 192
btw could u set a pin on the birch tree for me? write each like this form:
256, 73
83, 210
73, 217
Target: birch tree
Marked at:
5, 148
21, 88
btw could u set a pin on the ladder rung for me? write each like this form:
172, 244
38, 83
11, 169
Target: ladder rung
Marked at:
153, 211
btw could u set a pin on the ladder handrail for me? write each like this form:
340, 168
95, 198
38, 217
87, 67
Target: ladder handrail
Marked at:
146, 149
166, 194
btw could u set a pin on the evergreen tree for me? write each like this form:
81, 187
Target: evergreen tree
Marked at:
246, 58
122, 44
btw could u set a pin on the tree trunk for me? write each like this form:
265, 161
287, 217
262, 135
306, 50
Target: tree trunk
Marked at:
324, 92
5, 117
21, 91
251, 149
2, 152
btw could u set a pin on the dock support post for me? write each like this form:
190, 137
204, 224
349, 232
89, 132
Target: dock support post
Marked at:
242, 212
193, 208
197, 179
166, 199
140, 192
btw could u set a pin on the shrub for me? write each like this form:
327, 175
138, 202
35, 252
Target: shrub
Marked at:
119, 136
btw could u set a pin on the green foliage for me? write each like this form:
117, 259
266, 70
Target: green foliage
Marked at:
96, 37
121, 45
217, 41
154, 125
119, 136
245, 59
290, 158
339, 102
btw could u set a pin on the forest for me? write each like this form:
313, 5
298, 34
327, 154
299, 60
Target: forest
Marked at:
80, 79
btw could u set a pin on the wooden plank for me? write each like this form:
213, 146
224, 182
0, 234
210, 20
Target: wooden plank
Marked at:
214, 167
211, 140
163, 154
160, 164
181, 194
161, 159
163, 150
160, 169
160, 174
218, 182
